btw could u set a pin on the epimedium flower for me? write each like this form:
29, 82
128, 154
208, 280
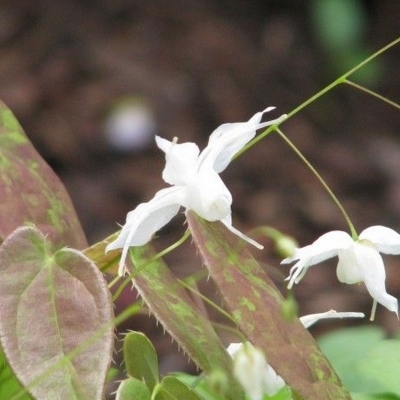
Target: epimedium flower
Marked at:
195, 184
359, 260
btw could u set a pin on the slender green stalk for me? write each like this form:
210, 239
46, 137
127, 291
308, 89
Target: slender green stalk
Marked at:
338, 81
162, 253
343, 78
207, 300
322, 181
372, 93
156, 257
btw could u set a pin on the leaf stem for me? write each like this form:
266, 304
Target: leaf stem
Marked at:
322, 181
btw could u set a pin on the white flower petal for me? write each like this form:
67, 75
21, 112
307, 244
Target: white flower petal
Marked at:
233, 348
385, 239
228, 224
348, 269
208, 196
372, 267
229, 138
146, 219
273, 383
309, 320
325, 247
180, 161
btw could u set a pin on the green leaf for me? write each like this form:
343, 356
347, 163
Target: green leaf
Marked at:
381, 365
30, 192
256, 305
172, 388
55, 318
176, 311
140, 358
347, 347
9, 385
369, 396
199, 385
133, 389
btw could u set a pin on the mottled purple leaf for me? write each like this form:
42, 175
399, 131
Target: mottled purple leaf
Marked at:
256, 305
55, 318
30, 192
176, 311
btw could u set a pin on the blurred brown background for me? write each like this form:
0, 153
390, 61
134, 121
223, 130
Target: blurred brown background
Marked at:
93, 81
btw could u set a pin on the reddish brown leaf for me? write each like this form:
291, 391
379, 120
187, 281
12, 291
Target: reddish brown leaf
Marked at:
30, 192
256, 306
55, 318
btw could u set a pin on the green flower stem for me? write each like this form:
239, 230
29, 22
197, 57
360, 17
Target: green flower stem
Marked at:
173, 246
338, 81
156, 257
206, 300
372, 93
322, 181
342, 79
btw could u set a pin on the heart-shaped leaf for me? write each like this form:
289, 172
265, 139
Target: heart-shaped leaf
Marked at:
256, 305
55, 318
30, 192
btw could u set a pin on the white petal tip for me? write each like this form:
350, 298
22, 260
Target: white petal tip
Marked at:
268, 109
290, 284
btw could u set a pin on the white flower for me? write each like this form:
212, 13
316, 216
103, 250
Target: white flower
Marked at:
253, 372
196, 184
359, 260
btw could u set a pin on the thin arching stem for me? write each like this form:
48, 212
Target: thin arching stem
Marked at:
338, 81
322, 181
